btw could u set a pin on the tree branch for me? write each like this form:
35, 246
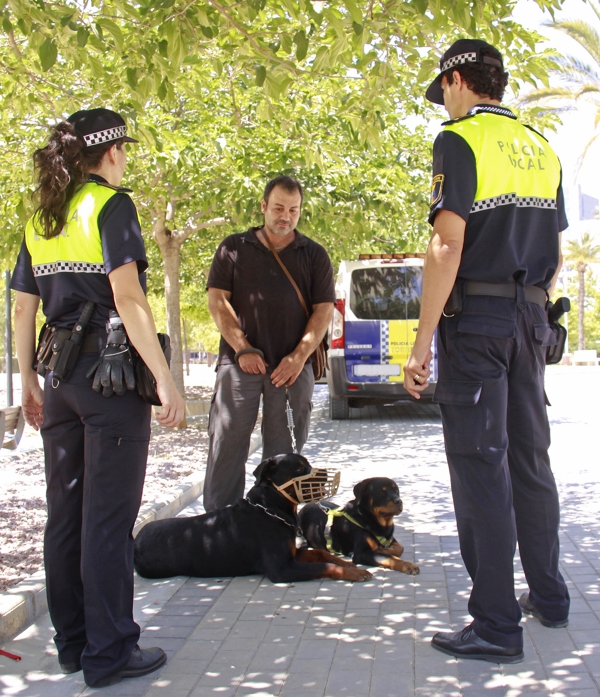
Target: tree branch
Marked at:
251, 39
191, 226
13, 44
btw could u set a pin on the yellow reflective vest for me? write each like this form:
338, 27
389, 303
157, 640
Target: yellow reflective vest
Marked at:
78, 247
514, 163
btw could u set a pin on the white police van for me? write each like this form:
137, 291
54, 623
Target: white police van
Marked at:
374, 327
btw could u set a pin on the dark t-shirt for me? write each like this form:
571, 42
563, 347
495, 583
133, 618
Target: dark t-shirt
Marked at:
265, 302
64, 294
503, 242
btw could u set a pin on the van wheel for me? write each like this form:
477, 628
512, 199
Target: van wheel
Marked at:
339, 408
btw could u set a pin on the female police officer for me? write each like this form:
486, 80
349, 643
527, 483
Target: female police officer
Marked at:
84, 244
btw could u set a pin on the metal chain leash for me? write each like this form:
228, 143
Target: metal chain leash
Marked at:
274, 515
290, 419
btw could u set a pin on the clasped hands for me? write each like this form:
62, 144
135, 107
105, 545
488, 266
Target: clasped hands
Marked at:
285, 373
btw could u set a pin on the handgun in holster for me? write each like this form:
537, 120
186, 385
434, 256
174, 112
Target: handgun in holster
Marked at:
555, 311
65, 352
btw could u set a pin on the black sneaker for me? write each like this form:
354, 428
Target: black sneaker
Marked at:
529, 609
466, 644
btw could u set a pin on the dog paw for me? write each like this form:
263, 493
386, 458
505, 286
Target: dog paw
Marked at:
346, 564
357, 574
411, 569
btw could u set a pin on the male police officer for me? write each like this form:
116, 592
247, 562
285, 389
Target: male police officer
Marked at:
497, 211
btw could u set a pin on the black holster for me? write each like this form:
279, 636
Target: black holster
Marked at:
59, 348
556, 310
454, 303
43, 352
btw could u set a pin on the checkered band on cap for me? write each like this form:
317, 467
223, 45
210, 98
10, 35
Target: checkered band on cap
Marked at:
105, 136
470, 57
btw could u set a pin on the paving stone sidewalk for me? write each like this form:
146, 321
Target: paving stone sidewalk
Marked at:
247, 636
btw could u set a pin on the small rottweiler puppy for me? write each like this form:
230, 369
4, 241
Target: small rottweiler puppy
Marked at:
257, 535
367, 533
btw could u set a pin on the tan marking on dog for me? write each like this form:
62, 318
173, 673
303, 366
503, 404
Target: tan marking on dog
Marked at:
373, 544
320, 555
385, 516
396, 564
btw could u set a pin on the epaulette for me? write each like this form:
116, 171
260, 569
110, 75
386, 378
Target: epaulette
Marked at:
531, 128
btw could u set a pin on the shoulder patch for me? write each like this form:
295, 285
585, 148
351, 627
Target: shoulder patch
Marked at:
437, 185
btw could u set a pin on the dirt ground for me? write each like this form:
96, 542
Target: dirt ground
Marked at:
173, 456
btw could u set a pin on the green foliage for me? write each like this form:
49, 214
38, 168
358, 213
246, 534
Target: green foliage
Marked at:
224, 95
578, 80
200, 327
591, 330
579, 256
580, 253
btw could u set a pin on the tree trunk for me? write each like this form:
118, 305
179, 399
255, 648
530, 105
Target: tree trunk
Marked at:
172, 292
186, 351
169, 242
581, 304
170, 249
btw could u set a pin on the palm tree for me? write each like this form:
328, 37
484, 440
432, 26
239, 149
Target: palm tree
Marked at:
581, 254
579, 80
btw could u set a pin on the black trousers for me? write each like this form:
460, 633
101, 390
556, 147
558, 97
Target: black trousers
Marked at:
95, 450
496, 432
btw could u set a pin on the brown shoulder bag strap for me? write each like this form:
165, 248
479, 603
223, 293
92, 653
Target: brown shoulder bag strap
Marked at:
286, 272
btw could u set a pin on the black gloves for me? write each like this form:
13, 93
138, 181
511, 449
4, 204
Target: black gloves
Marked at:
113, 372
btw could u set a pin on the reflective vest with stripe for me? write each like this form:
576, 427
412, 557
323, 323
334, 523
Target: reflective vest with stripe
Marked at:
515, 165
78, 248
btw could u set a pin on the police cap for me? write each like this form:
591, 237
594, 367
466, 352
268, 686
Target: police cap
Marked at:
100, 125
461, 52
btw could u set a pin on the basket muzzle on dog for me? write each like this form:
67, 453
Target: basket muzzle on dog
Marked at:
317, 485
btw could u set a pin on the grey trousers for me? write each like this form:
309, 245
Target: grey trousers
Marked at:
233, 414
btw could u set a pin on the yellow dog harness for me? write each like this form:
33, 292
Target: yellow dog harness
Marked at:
339, 513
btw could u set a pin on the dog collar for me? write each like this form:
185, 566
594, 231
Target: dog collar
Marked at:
338, 513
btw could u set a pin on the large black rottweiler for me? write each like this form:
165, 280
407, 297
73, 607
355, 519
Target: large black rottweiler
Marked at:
257, 535
363, 528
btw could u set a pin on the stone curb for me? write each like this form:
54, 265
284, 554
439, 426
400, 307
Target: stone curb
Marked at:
22, 605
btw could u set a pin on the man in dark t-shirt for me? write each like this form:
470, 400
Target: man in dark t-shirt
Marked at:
266, 339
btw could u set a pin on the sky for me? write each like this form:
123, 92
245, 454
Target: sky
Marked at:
578, 126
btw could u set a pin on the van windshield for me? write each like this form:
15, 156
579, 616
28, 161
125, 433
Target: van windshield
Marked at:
386, 292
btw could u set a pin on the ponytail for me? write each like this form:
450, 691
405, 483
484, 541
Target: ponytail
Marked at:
60, 168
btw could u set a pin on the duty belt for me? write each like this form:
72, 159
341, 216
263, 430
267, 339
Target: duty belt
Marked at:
90, 341
533, 294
